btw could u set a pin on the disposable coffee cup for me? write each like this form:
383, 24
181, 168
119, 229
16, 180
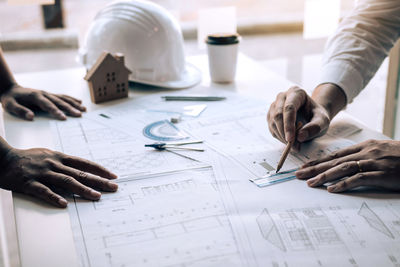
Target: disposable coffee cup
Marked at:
222, 56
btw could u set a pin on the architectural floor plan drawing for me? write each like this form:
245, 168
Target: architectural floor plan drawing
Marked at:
120, 150
269, 230
170, 220
243, 137
175, 212
299, 230
311, 236
313, 228
373, 220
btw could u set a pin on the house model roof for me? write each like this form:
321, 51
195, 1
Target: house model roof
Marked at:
104, 57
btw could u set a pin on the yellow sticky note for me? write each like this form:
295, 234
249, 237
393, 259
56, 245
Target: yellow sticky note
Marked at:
30, 2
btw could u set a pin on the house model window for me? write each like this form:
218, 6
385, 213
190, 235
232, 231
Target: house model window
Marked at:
108, 78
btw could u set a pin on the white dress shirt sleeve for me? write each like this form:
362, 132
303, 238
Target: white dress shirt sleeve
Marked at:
362, 41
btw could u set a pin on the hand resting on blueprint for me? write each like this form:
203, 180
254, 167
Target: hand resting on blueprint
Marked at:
315, 112
22, 102
40, 172
370, 163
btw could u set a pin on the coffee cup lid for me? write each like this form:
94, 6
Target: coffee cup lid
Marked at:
223, 38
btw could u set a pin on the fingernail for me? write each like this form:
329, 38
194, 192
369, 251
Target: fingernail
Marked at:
289, 136
113, 175
82, 108
62, 202
29, 116
61, 115
302, 136
312, 182
95, 194
113, 186
332, 189
76, 112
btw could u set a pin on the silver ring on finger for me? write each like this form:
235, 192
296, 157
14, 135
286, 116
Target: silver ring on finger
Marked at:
83, 175
359, 166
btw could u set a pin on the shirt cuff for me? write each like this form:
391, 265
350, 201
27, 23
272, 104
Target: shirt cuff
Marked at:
345, 76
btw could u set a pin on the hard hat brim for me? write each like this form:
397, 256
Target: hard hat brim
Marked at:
190, 77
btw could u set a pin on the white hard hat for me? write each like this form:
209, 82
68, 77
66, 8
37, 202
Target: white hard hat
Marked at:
149, 37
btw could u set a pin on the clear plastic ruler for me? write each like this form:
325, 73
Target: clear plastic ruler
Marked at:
274, 178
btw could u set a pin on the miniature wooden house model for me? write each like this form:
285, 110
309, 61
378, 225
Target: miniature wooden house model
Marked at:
108, 78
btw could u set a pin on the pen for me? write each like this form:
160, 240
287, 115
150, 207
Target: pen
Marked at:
287, 150
104, 116
193, 98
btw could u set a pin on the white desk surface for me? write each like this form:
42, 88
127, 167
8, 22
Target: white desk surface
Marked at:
44, 233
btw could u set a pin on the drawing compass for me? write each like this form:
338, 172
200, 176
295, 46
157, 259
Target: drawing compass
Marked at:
177, 146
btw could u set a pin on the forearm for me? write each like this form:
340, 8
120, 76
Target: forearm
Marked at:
6, 78
354, 53
331, 97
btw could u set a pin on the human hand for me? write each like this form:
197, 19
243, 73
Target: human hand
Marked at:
38, 171
21, 102
286, 109
370, 163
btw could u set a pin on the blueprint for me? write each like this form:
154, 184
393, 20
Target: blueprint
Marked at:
245, 138
168, 210
290, 224
169, 220
331, 230
173, 211
115, 137
118, 149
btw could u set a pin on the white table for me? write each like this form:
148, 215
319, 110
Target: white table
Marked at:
44, 233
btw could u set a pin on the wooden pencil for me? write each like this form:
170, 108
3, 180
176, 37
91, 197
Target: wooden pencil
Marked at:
287, 149
284, 155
